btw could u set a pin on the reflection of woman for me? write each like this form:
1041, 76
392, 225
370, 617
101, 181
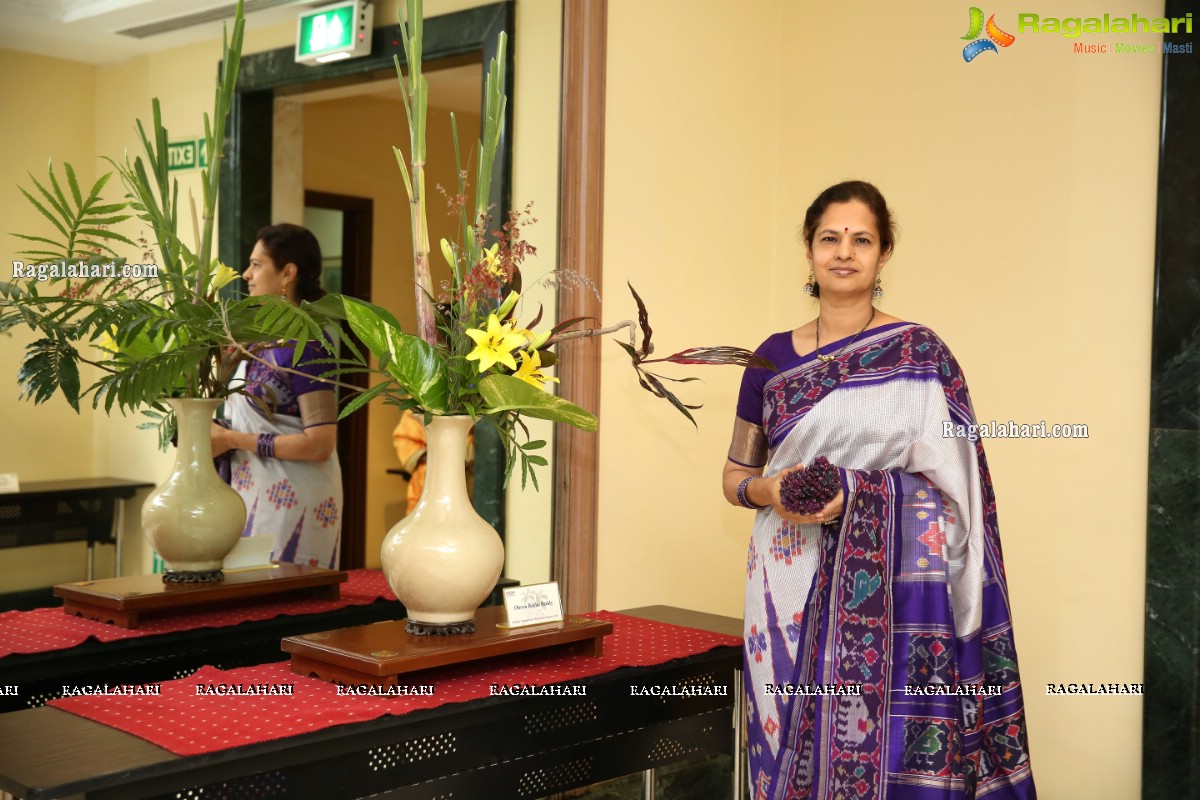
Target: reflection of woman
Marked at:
283, 457
897, 585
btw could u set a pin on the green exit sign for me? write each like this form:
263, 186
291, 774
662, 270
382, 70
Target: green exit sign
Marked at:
187, 154
181, 155
334, 32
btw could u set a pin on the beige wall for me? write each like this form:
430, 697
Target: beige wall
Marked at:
1024, 184
38, 441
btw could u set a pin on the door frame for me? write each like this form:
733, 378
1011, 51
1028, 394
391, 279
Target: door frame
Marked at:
358, 219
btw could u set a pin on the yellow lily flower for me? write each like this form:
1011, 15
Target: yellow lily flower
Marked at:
106, 342
221, 275
494, 346
531, 369
491, 259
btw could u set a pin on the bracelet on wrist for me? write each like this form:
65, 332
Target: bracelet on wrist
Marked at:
266, 445
742, 498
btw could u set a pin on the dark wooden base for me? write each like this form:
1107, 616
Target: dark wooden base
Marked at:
376, 655
123, 601
185, 576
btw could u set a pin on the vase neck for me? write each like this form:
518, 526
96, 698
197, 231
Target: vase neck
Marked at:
193, 421
446, 454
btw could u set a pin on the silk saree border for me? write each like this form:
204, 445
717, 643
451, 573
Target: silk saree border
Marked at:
899, 351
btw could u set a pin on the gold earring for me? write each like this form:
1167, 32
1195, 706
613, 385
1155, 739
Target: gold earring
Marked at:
812, 281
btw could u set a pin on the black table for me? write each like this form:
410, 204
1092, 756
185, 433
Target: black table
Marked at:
491, 748
88, 510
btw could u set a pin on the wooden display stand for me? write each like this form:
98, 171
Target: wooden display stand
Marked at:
375, 655
122, 601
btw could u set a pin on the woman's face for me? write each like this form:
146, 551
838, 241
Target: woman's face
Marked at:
266, 278
845, 253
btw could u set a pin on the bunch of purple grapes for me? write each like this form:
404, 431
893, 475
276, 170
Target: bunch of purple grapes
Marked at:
808, 490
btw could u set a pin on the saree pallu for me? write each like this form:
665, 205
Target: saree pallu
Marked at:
879, 650
297, 503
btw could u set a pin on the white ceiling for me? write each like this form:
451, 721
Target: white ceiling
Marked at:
85, 30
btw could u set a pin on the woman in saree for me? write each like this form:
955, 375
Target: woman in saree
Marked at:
879, 649
282, 444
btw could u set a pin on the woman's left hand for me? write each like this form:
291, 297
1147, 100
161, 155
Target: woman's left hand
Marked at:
222, 440
832, 512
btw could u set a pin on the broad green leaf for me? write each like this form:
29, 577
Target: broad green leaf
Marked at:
506, 393
414, 364
330, 305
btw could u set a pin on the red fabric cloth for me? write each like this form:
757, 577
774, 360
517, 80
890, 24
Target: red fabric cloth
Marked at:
187, 724
46, 629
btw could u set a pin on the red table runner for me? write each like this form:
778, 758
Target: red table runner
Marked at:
187, 723
46, 629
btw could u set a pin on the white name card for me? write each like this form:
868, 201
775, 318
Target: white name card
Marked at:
9, 483
533, 605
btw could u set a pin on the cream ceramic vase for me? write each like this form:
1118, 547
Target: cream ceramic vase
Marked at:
443, 559
194, 518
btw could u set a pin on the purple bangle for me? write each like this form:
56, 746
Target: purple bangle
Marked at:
742, 499
266, 445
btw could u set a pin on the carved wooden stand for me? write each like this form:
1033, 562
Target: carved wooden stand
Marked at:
123, 601
375, 655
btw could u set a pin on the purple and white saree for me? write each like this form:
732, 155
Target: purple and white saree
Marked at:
879, 650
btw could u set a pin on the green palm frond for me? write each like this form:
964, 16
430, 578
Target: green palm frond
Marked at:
82, 223
50, 365
160, 375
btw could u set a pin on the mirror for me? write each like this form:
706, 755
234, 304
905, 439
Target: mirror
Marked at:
276, 100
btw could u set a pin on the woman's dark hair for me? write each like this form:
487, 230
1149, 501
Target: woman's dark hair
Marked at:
846, 192
292, 244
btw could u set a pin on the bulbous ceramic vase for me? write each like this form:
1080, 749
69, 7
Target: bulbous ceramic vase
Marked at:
194, 518
443, 559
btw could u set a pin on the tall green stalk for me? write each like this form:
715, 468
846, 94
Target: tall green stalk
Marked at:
214, 136
415, 91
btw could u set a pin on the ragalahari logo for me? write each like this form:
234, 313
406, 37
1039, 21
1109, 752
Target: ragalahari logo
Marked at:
995, 36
